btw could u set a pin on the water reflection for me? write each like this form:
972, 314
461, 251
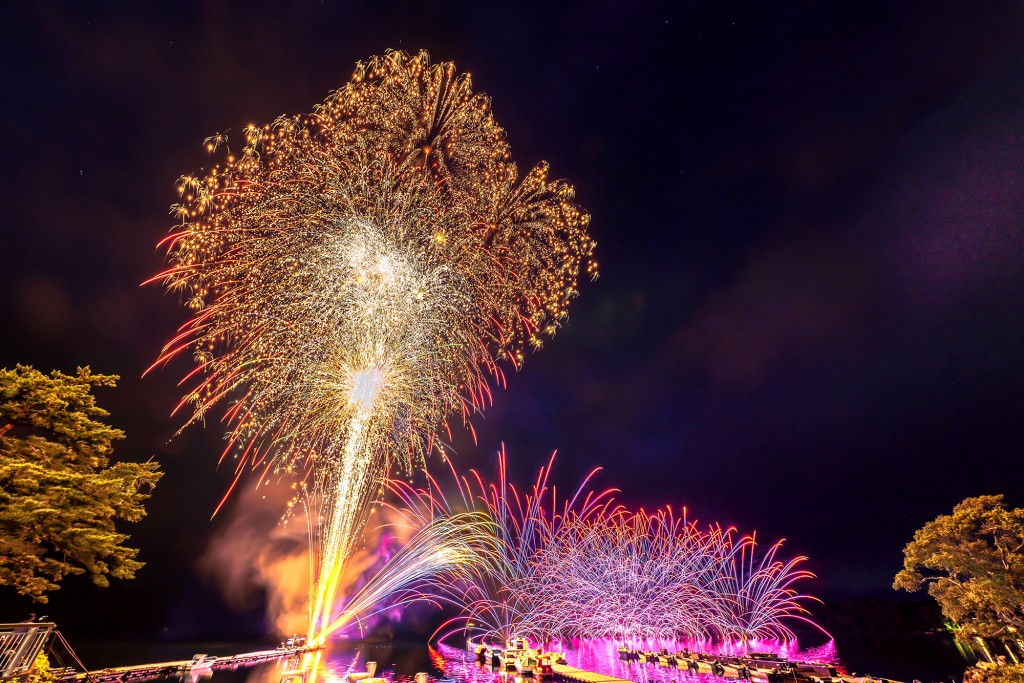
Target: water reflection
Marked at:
601, 656
401, 662
461, 666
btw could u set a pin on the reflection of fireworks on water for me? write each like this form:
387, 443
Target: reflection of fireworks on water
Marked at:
600, 655
355, 277
586, 567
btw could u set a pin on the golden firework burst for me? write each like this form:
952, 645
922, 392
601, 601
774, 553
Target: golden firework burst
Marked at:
358, 275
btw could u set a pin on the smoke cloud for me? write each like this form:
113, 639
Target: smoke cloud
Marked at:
258, 556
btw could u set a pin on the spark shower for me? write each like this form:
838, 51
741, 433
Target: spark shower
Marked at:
357, 277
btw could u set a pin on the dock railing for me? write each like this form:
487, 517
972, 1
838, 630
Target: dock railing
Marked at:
20, 644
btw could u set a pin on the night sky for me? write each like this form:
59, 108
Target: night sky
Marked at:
809, 223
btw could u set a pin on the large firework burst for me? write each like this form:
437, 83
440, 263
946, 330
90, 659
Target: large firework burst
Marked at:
357, 275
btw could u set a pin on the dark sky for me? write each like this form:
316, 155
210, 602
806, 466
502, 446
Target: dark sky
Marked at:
809, 223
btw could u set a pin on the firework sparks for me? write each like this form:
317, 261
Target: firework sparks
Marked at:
356, 276
490, 594
447, 548
587, 567
656, 575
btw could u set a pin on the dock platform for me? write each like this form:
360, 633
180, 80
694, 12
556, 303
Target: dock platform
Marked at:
135, 672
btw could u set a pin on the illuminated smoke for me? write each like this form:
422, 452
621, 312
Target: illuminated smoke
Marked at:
252, 556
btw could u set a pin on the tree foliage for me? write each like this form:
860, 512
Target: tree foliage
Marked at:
59, 493
42, 671
1001, 672
973, 564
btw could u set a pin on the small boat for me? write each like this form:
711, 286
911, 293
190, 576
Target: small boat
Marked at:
492, 656
651, 657
776, 674
545, 666
736, 669
526, 662
666, 658
766, 660
513, 648
819, 678
817, 670
365, 676
506, 662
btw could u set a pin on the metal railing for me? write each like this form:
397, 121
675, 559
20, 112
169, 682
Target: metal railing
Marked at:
20, 644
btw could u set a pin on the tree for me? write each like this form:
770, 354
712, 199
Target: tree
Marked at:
1002, 672
41, 672
59, 493
973, 564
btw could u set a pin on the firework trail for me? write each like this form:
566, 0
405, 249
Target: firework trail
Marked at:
491, 594
644, 576
356, 276
587, 567
449, 548
655, 575
757, 593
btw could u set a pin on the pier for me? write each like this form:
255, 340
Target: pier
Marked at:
141, 671
21, 642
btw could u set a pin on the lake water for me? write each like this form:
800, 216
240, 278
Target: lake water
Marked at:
401, 661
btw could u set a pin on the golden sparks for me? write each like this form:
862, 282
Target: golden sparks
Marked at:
357, 275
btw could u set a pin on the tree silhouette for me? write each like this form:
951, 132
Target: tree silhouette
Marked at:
59, 493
